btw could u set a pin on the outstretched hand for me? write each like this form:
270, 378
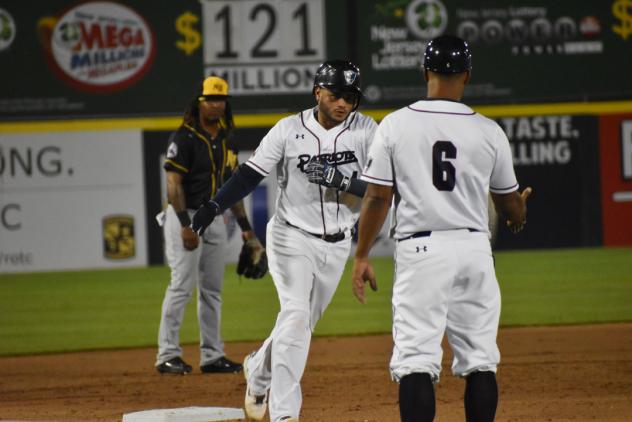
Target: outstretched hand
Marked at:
516, 226
362, 273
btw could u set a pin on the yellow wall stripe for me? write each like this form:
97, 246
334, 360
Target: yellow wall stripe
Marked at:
269, 119
155, 123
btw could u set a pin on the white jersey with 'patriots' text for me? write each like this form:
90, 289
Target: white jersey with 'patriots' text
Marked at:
295, 141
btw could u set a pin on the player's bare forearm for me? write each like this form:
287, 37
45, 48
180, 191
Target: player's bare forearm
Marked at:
175, 195
513, 207
375, 205
175, 191
239, 211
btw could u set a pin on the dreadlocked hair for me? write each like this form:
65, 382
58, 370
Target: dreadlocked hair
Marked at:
227, 121
192, 112
191, 115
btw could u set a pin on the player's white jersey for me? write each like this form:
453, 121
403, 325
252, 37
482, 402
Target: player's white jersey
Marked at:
446, 158
295, 141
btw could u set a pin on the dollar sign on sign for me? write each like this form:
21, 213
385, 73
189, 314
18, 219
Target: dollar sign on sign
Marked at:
184, 25
621, 10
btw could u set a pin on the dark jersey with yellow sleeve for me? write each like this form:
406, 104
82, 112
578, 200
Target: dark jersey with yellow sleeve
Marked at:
204, 162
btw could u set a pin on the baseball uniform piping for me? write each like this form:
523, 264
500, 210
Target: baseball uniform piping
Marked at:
176, 165
336, 166
442, 112
257, 168
210, 154
224, 157
376, 178
504, 190
320, 191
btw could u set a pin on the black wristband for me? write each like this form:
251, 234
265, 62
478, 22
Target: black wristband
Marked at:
356, 187
244, 224
184, 218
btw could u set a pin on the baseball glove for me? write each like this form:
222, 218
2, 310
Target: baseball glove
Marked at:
253, 262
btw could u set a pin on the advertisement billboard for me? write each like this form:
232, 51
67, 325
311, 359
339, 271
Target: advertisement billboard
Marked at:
616, 179
71, 200
557, 156
99, 58
523, 52
131, 58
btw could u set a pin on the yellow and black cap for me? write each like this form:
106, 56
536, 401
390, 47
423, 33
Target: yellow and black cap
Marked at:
214, 88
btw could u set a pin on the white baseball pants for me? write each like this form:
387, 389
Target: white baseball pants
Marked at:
445, 282
204, 268
306, 272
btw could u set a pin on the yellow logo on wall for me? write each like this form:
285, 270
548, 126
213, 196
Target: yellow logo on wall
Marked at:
622, 10
118, 237
185, 25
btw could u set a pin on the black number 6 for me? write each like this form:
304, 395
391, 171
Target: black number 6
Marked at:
443, 172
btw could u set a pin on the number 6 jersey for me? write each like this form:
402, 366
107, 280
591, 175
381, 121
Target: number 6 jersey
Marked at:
446, 158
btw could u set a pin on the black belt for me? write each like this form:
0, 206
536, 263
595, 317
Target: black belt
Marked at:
331, 238
426, 234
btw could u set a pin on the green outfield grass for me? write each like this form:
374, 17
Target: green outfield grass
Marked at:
64, 311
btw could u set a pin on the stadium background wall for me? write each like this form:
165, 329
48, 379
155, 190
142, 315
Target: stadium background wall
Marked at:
131, 66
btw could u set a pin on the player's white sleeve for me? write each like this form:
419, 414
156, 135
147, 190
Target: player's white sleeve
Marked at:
269, 152
379, 168
503, 179
365, 142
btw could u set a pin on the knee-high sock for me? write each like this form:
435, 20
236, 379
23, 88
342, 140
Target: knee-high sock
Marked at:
416, 398
481, 397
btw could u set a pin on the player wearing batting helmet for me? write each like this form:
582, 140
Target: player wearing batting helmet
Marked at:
317, 154
440, 159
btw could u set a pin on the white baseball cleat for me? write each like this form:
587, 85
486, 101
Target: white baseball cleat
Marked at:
254, 405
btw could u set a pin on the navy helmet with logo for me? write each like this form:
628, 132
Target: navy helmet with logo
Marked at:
447, 54
338, 76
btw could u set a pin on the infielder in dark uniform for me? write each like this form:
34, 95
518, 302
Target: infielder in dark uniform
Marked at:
200, 157
439, 160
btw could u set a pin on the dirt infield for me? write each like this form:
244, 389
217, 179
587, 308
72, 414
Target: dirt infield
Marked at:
580, 373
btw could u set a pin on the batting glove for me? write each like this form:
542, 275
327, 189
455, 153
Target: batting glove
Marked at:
204, 216
327, 175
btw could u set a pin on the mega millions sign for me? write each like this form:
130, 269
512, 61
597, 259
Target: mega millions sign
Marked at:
99, 46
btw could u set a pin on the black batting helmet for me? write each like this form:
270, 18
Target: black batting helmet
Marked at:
338, 76
447, 54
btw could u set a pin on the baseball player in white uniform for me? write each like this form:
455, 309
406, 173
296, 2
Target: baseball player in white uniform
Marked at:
318, 154
439, 159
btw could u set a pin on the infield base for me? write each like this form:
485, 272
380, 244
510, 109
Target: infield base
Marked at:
186, 414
